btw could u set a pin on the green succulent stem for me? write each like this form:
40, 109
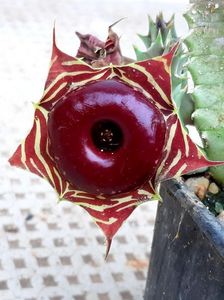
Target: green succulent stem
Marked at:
205, 45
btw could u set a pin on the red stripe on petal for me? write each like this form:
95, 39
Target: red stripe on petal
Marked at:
181, 155
139, 80
15, 159
111, 229
160, 73
152, 77
110, 213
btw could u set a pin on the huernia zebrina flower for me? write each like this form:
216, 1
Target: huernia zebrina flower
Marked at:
106, 132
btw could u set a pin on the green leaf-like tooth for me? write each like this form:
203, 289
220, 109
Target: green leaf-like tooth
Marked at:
171, 26
152, 33
157, 46
146, 39
161, 26
156, 49
139, 54
169, 41
153, 30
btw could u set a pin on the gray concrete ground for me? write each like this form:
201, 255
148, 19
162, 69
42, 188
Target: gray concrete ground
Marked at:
49, 250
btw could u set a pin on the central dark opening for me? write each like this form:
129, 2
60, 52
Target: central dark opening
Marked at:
107, 135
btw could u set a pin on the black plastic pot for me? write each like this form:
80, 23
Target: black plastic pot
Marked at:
187, 258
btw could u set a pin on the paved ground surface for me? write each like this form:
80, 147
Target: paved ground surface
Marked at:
50, 251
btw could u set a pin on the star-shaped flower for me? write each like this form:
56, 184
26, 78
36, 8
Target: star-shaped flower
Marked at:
149, 78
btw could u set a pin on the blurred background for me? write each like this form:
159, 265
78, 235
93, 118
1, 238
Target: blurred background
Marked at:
49, 250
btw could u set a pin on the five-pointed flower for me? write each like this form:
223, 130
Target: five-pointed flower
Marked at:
63, 133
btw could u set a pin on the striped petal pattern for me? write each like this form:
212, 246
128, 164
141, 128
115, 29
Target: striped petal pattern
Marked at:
151, 77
